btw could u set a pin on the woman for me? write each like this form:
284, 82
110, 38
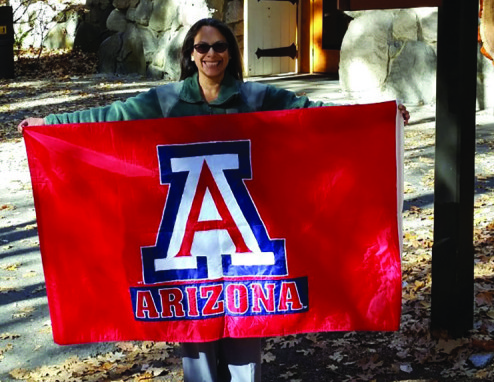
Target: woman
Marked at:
211, 70
211, 83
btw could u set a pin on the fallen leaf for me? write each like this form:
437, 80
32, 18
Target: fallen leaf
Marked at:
290, 342
485, 345
6, 336
125, 346
484, 298
287, 375
306, 352
4, 290
11, 267
407, 368
38, 289
337, 356
268, 357
448, 346
5, 349
24, 312
19, 373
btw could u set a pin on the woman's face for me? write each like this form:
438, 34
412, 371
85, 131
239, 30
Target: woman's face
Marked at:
211, 64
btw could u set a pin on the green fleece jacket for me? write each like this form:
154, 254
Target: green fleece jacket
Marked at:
188, 101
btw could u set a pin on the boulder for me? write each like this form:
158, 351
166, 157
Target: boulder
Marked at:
117, 22
108, 53
428, 25
89, 37
166, 62
143, 12
130, 58
131, 15
234, 11
384, 55
123, 53
216, 8
98, 13
121, 5
149, 40
412, 74
165, 16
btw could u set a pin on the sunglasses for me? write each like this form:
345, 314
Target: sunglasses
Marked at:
218, 47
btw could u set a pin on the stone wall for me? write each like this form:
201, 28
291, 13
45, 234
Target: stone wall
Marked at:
145, 36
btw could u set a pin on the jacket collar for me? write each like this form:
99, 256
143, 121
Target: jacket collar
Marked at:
191, 92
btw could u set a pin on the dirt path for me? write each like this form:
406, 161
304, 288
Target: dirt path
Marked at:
25, 332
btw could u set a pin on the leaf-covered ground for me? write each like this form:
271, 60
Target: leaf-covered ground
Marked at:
62, 83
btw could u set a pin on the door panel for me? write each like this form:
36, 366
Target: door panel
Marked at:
329, 27
269, 25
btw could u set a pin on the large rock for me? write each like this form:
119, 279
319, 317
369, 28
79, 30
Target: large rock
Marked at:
89, 37
428, 25
108, 53
234, 11
412, 74
385, 55
131, 57
117, 22
99, 12
121, 4
166, 62
92, 30
143, 12
123, 53
150, 42
216, 8
163, 16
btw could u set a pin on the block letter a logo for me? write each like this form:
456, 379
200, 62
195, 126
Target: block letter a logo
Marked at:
210, 226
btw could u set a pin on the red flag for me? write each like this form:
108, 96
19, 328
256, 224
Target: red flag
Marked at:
242, 225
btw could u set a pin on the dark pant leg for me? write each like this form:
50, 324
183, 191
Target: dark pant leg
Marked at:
200, 361
226, 360
239, 360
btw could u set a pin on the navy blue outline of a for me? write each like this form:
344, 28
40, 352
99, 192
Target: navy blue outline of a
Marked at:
235, 179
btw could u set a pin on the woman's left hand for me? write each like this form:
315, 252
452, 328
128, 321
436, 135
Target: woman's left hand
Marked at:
404, 112
31, 121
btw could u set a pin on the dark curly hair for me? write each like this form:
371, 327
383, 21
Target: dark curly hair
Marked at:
187, 66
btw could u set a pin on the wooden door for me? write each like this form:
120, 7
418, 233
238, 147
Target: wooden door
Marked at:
270, 37
328, 28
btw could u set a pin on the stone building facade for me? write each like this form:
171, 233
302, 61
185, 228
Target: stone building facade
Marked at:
145, 36
385, 54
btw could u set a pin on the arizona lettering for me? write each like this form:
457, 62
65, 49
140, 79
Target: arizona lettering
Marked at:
208, 300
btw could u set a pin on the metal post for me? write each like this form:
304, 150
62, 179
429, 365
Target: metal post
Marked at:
452, 253
6, 42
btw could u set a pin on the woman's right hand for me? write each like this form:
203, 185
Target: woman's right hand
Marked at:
30, 122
